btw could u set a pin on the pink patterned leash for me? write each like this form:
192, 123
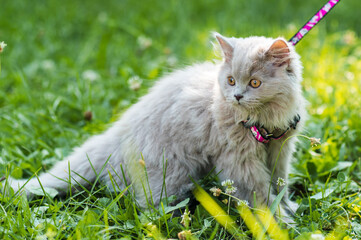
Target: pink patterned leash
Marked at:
313, 21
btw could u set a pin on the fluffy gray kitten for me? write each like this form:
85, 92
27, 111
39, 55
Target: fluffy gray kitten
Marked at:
198, 118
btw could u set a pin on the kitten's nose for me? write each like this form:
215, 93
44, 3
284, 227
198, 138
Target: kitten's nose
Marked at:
238, 96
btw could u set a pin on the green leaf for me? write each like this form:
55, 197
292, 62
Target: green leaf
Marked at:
312, 170
168, 209
277, 200
40, 210
304, 236
356, 227
341, 177
129, 225
342, 152
341, 165
52, 192
322, 195
17, 172
326, 205
315, 216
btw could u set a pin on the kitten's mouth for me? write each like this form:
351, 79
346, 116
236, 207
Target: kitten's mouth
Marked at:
239, 104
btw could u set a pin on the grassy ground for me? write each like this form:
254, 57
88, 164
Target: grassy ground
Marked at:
65, 59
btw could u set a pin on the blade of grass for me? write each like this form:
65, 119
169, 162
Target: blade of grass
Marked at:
270, 224
251, 222
216, 211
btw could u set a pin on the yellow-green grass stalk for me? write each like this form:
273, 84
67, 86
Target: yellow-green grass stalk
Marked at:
251, 222
216, 211
266, 218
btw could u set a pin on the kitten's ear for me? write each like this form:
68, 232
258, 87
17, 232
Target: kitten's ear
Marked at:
279, 52
226, 46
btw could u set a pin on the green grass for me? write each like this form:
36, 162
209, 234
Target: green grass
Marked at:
45, 91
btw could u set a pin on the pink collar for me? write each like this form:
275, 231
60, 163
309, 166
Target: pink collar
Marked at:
262, 135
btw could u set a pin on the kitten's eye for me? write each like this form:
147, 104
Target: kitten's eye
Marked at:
255, 83
231, 81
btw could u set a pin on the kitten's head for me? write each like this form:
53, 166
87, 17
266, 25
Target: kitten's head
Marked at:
259, 75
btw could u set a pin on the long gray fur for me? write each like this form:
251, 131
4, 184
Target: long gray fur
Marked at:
192, 119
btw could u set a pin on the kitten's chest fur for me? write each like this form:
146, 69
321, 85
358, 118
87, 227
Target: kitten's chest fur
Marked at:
235, 140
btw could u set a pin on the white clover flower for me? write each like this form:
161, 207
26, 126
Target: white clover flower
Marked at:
227, 183
216, 191
291, 27
135, 83
172, 60
229, 186
186, 218
230, 190
48, 64
90, 75
2, 46
315, 141
281, 182
349, 37
144, 42
102, 17
41, 237
349, 75
317, 236
243, 203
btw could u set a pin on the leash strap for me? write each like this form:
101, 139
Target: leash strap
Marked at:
313, 21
